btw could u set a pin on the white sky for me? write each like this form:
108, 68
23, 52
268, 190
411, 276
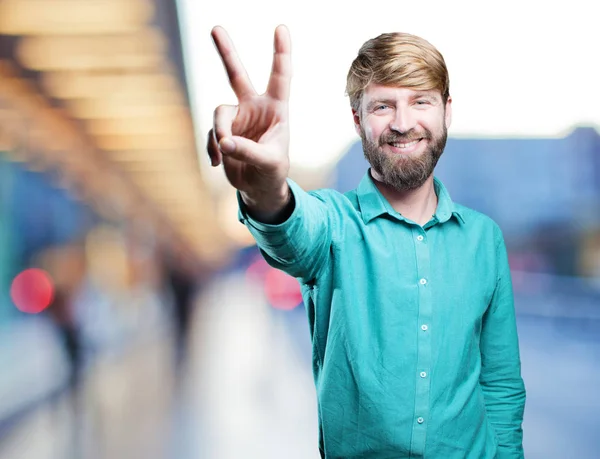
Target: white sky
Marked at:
516, 68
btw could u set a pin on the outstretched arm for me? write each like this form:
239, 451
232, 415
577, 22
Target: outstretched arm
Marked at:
251, 140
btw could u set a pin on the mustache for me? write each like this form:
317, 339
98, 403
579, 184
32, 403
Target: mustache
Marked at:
406, 137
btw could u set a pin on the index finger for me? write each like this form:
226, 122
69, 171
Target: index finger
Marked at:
238, 77
281, 72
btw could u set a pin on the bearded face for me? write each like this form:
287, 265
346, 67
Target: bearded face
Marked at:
401, 171
403, 132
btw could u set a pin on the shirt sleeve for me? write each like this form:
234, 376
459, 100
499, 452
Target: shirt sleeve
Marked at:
300, 245
501, 381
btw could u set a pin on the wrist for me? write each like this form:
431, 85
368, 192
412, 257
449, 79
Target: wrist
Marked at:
269, 206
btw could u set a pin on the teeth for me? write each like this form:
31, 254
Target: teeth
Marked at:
405, 145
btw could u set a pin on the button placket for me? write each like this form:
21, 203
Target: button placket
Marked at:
424, 352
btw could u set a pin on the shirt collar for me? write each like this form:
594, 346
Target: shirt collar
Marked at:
446, 208
373, 204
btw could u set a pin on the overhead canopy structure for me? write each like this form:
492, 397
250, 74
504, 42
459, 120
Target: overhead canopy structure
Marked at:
97, 89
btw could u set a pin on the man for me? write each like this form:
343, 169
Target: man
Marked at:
409, 297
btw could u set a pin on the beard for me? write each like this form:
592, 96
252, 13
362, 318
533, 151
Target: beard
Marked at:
404, 172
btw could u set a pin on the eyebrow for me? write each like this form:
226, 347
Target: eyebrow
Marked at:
426, 94
376, 102
431, 95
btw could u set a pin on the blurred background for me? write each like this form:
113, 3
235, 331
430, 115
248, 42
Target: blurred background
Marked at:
137, 319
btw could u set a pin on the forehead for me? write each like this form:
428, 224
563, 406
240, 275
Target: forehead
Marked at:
378, 91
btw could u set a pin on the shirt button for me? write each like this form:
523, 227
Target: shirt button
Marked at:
420, 420
424, 327
423, 281
423, 374
419, 238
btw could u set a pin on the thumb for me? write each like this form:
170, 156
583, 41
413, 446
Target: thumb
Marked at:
243, 149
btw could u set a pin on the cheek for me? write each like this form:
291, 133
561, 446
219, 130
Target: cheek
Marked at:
372, 131
434, 126
438, 124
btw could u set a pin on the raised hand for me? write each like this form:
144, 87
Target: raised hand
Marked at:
251, 139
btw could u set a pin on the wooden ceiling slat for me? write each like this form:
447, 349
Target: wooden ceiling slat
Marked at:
114, 89
75, 17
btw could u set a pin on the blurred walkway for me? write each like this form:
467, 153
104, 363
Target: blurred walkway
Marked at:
248, 391
245, 393
121, 412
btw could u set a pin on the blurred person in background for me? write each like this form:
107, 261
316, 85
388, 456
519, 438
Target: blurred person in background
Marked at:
182, 283
67, 267
409, 295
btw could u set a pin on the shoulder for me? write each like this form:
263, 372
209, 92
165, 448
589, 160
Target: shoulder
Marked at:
480, 222
342, 208
335, 198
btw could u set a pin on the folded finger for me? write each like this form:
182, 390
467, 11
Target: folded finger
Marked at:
244, 150
212, 148
223, 117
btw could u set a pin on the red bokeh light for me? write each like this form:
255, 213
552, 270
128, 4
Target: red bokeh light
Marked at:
257, 271
282, 290
32, 291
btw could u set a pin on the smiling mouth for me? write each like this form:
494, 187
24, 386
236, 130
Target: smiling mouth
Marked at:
404, 145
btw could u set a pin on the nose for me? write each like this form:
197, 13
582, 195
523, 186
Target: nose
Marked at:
402, 120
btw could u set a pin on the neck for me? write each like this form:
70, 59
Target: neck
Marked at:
418, 205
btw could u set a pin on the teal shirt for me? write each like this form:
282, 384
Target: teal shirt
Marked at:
415, 348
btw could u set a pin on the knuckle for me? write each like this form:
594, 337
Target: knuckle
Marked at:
218, 110
221, 111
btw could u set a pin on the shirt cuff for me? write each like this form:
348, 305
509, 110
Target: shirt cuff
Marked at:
246, 219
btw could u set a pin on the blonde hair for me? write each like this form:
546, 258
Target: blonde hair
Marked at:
397, 59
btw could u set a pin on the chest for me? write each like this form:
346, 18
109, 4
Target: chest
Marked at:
391, 274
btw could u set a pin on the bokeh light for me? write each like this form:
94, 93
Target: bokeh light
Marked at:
282, 290
32, 291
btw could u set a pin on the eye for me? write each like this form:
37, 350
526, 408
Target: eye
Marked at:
422, 102
380, 107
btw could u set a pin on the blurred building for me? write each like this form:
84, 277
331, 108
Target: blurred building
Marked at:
543, 192
97, 157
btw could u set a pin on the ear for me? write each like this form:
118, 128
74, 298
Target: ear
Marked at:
356, 118
448, 117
